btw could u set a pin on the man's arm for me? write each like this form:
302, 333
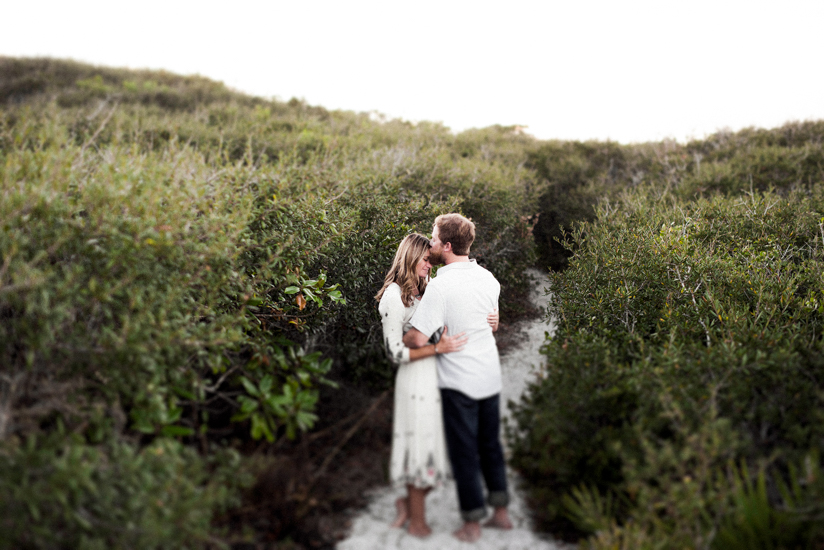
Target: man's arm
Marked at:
415, 339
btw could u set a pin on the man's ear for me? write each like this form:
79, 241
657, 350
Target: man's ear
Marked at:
447, 247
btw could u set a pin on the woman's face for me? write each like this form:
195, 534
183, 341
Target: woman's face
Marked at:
423, 266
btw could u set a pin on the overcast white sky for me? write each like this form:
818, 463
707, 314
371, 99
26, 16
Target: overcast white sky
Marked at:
621, 70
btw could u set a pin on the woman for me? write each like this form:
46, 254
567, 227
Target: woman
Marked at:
419, 456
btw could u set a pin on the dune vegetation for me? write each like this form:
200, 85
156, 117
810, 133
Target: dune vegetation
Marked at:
190, 351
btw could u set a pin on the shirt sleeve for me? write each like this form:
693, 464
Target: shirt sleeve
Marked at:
392, 311
431, 314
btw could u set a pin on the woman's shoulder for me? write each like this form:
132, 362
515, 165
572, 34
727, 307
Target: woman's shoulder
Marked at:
393, 289
391, 295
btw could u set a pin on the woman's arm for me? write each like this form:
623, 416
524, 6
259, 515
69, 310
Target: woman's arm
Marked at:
493, 320
415, 339
392, 312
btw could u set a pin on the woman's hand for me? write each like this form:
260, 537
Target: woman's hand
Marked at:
493, 319
448, 344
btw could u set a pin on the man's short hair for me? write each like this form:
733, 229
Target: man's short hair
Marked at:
454, 228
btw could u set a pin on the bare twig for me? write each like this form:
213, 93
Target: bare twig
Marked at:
220, 380
304, 493
348, 436
99, 129
336, 197
694, 303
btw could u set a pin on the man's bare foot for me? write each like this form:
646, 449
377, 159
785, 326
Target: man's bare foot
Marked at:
419, 530
403, 512
499, 520
470, 532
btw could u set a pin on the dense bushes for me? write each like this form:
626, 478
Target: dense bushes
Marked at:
125, 318
689, 339
62, 493
572, 177
74, 84
182, 269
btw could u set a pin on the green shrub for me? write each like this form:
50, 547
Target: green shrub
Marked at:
61, 493
598, 400
573, 177
181, 262
127, 307
668, 306
756, 169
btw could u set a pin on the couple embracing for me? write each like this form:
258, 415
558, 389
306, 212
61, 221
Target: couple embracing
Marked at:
447, 389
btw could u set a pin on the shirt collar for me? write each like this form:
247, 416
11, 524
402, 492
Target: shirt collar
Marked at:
457, 265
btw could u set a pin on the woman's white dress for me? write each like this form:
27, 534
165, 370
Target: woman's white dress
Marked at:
419, 455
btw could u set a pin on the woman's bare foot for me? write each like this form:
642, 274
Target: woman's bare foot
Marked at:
470, 532
499, 520
416, 507
421, 530
403, 512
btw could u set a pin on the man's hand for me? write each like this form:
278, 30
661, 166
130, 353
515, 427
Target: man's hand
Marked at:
415, 339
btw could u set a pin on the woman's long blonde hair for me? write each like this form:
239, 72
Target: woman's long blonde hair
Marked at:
404, 268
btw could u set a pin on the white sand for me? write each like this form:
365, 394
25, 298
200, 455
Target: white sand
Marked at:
370, 528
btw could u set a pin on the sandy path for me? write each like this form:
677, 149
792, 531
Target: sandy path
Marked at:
370, 529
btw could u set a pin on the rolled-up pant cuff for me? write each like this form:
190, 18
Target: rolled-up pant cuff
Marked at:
473, 515
498, 499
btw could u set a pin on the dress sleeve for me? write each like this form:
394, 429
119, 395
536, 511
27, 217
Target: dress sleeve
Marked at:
392, 312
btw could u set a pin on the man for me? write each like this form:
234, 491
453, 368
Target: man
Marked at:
460, 298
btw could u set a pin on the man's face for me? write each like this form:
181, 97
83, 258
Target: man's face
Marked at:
436, 252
